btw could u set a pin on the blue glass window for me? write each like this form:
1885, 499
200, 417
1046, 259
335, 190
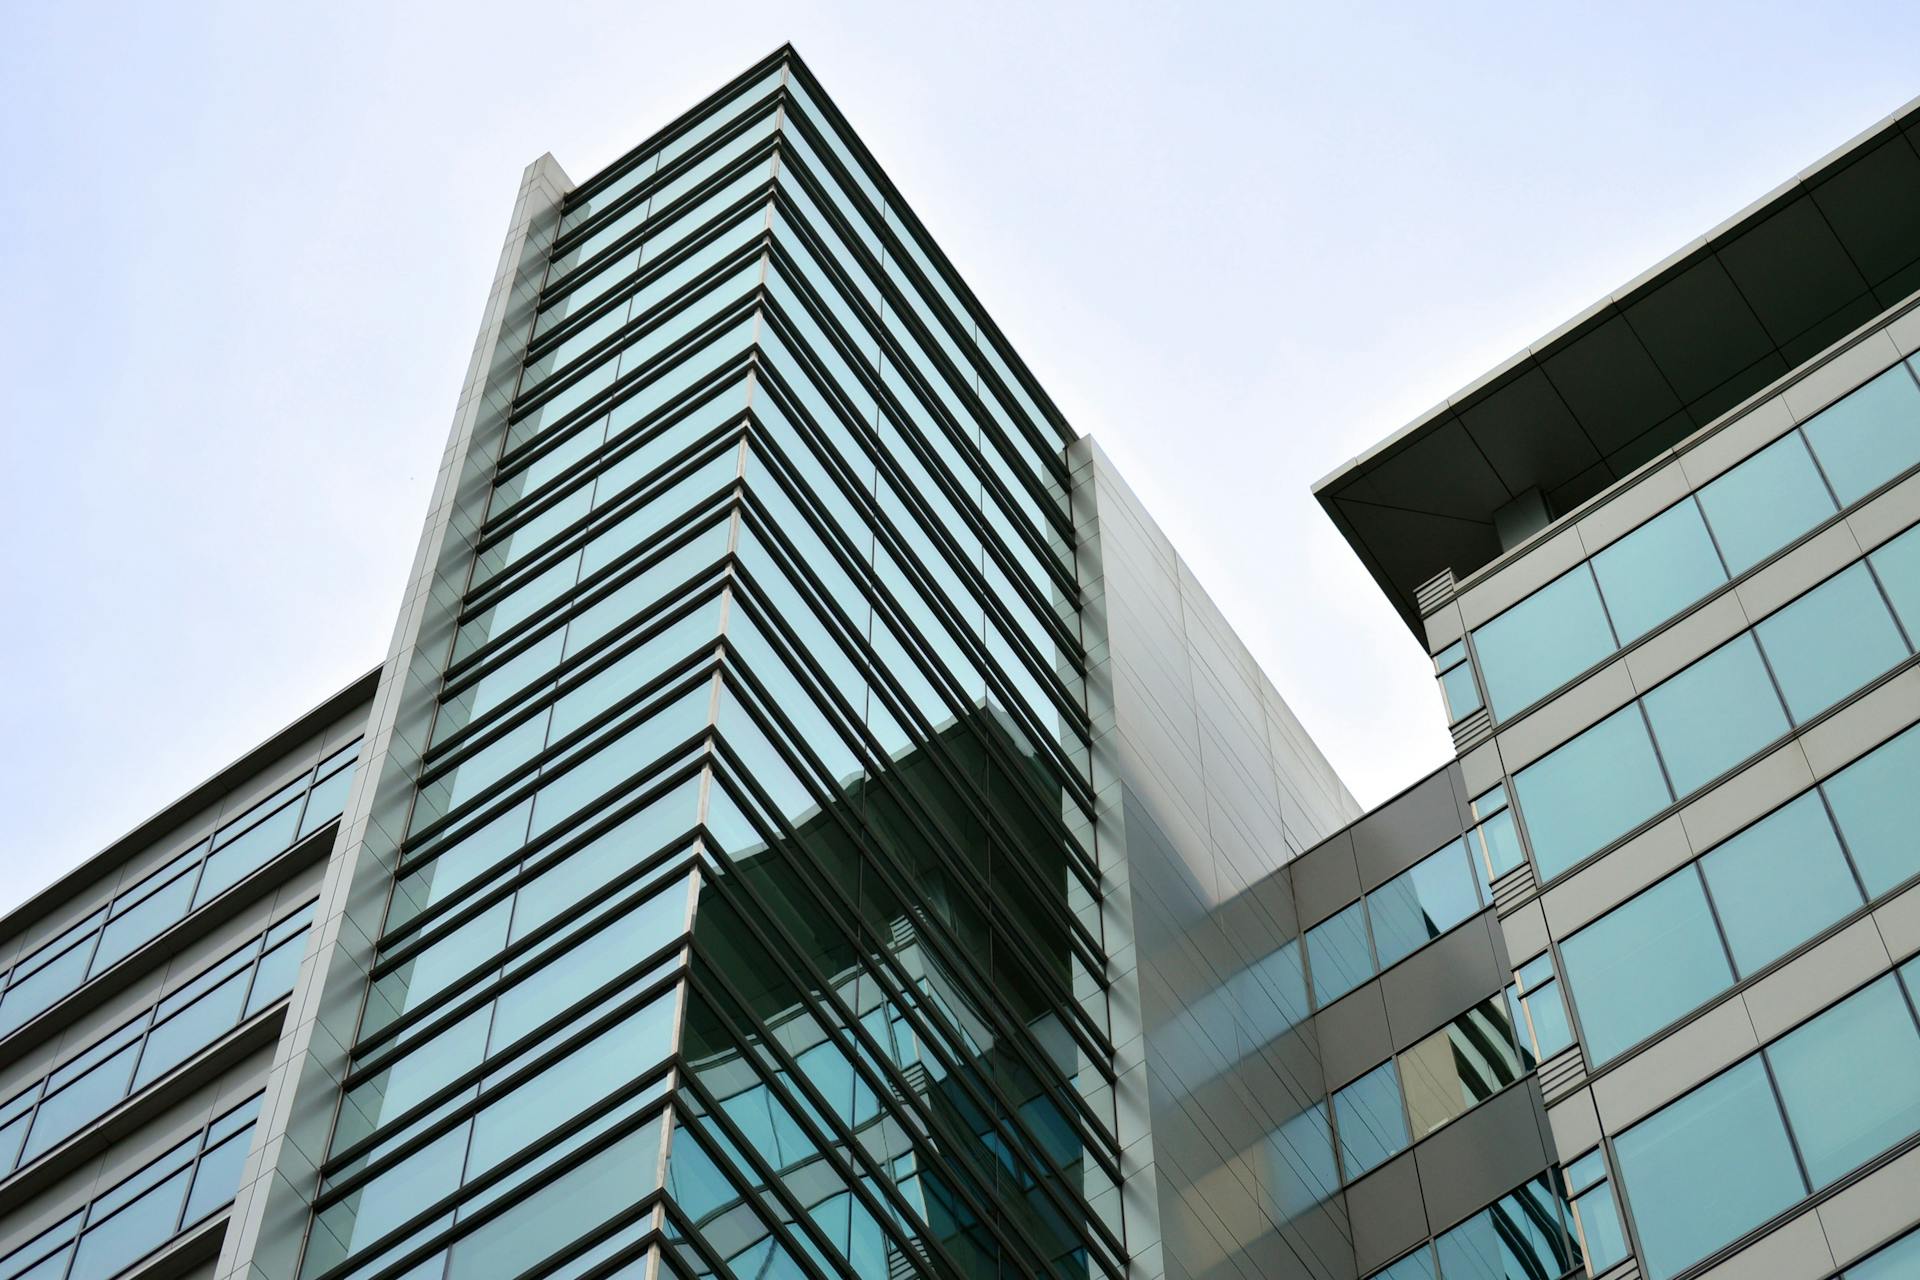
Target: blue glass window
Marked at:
1830, 642
1765, 503
1645, 963
1423, 902
1870, 436
1658, 570
1495, 840
1779, 882
1850, 1080
1369, 1119
1417, 1265
1539, 1011
1898, 1261
1540, 643
1878, 809
1338, 955
1586, 792
1461, 1065
1596, 1219
1898, 565
1715, 714
1457, 685
1519, 1237
1707, 1168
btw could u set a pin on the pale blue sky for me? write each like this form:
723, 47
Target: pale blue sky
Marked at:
245, 251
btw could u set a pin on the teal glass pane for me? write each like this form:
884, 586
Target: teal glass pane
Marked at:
1715, 714
1542, 642
1644, 964
1878, 807
1707, 1168
1500, 850
1600, 1229
325, 802
216, 1177
1898, 1261
247, 853
1423, 902
40, 989
1417, 1265
1300, 1167
1850, 1080
1657, 570
1451, 656
1462, 694
142, 923
1583, 794
1779, 882
1898, 565
1519, 1237
1368, 1117
1870, 436
110, 1247
1765, 503
1338, 955
66, 1112
193, 1028
1830, 641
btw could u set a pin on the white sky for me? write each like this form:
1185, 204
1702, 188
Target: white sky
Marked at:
244, 254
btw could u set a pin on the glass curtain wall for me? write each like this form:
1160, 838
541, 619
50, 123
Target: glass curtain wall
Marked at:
742, 912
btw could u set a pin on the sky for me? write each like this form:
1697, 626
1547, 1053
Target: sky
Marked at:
245, 248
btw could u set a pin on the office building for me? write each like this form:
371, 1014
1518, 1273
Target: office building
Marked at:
810, 822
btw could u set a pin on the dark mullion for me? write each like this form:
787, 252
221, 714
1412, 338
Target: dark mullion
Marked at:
898, 204
931, 832
801, 574
933, 528
992, 1105
897, 299
919, 1122
840, 1149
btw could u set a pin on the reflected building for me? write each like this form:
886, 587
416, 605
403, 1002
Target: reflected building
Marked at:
810, 822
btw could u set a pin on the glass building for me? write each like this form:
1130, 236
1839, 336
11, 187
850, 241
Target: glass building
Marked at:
810, 822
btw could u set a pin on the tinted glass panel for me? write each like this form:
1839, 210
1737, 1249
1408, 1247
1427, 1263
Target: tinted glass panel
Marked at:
1415, 1266
1878, 809
1518, 1237
1830, 641
1536, 646
1423, 902
1779, 882
1658, 570
1850, 1080
1765, 503
1715, 714
1870, 436
1898, 1261
1583, 794
1459, 1066
1645, 963
1338, 956
1898, 564
1368, 1117
1463, 695
1707, 1168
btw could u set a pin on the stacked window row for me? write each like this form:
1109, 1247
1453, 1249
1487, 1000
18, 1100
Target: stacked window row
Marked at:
94, 1081
1687, 552
131, 1219
1722, 709
1803, 1113
186, 883
1443, 890
1747, 902
1528, 1234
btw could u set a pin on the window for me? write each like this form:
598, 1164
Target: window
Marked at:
1300, 1161
1779, 882
1765, 503
1457, 685
1898, 1261
1870, 436
1423, 902
1338, 955
1519, 1237
1539, 1012
1830, 641
1417, 1265
1537, 645
1596, 1219
1645, 963
1459, 1066
1850, 1080
1897, 564
1590, 790
1657, 570
1707, 1168
1878, 809
1714, 714
1369, 1120
1494, 839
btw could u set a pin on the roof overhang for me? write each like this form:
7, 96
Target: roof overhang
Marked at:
1642, 369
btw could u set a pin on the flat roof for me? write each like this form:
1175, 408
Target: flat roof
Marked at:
1643, 368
